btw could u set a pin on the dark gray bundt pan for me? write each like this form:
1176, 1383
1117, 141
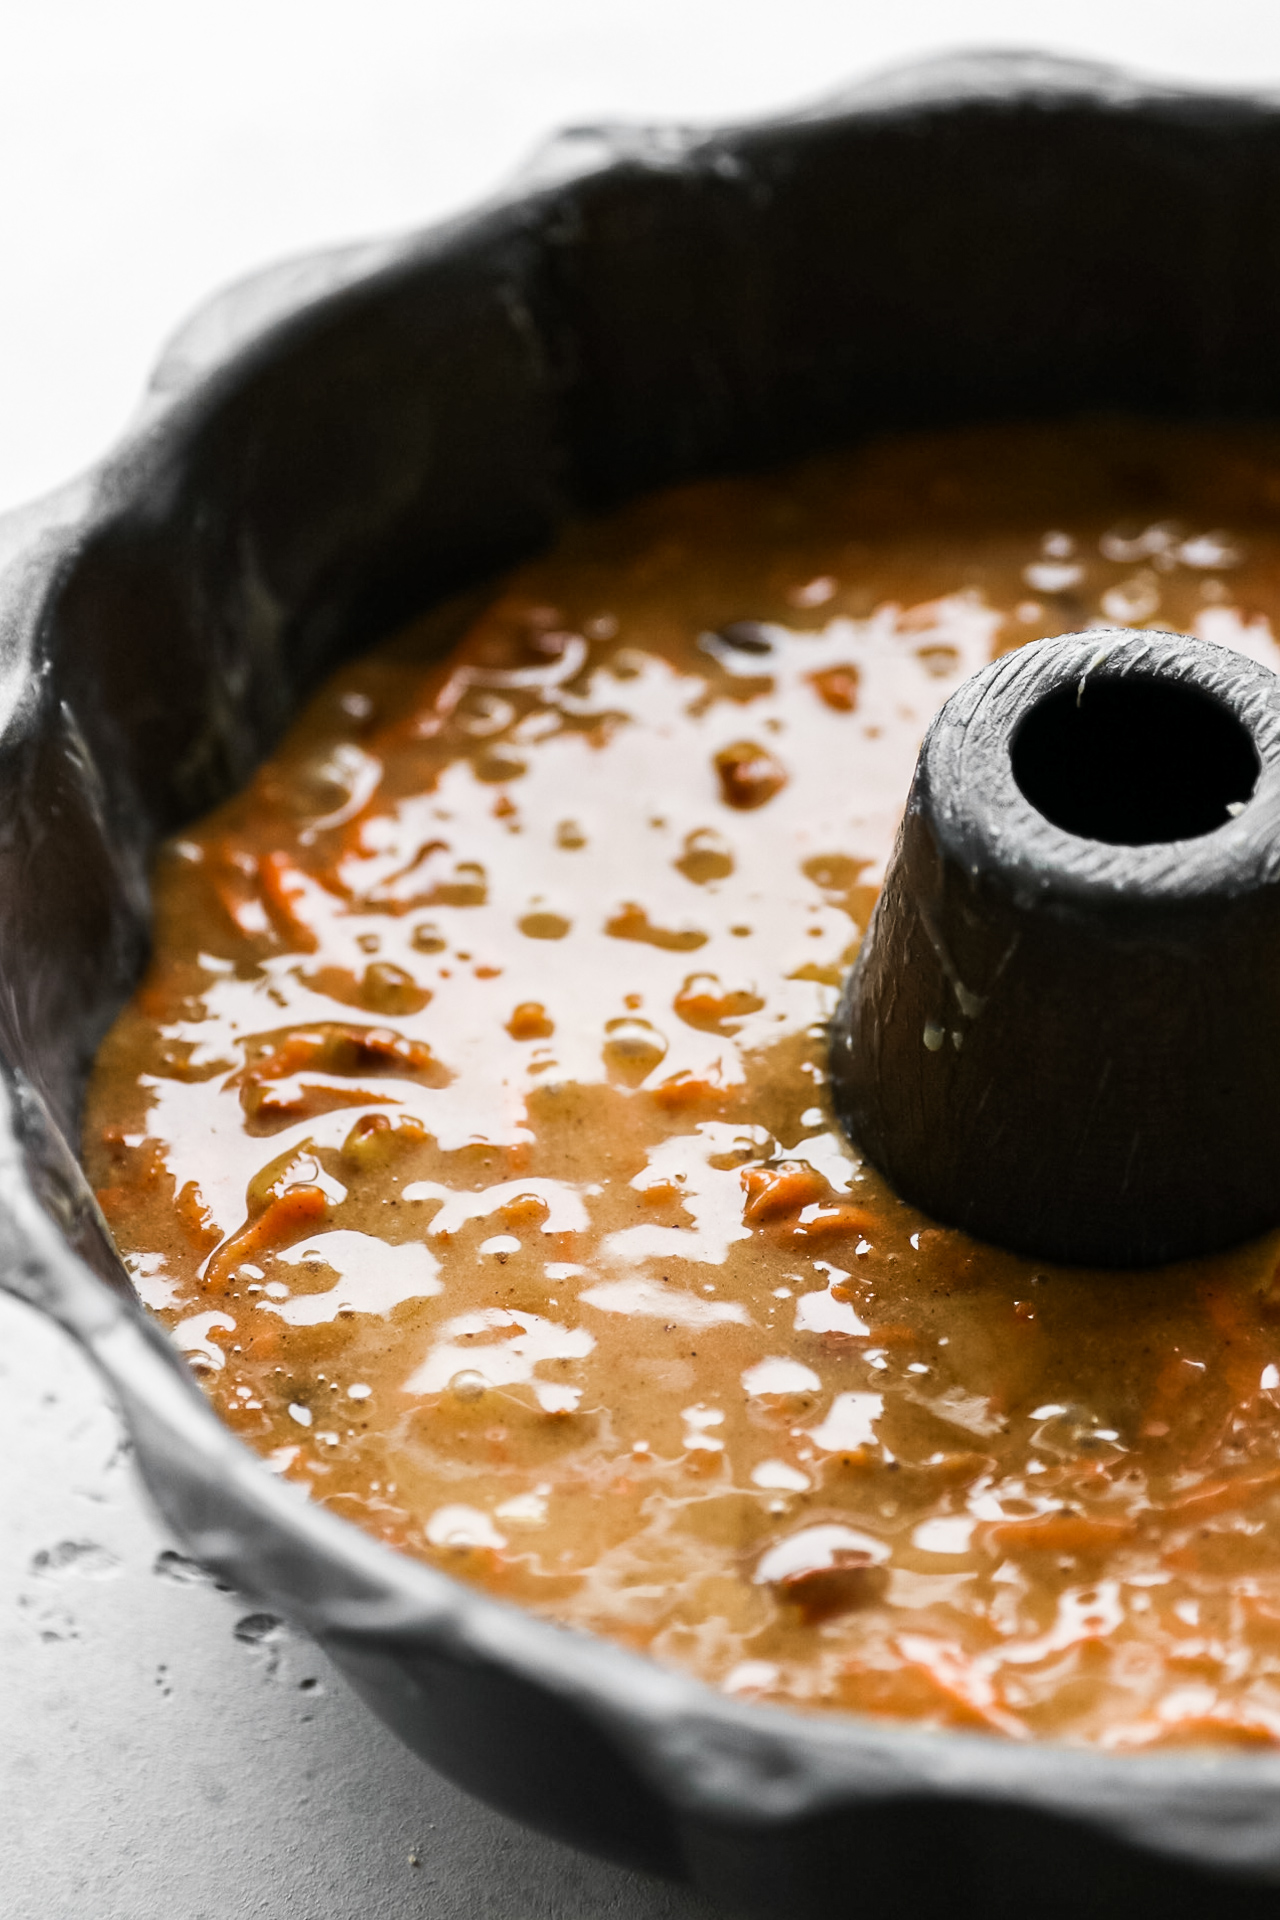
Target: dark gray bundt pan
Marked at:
345, 440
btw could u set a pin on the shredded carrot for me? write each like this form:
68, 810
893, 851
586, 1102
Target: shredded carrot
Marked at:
1056, 1533
631, 922
291, 1214
837, 1218
892, 1335
660, 1193
285, 888
1193, 1730
684, 1090
775, 1192
1224, 1496
960, 1683
530, 1022
837, 687
524, 1210
238, 899
278, 1106
333, 1047
703, 1003
198, 1223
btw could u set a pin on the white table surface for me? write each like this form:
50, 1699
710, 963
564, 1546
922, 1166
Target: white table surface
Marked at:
155, 1763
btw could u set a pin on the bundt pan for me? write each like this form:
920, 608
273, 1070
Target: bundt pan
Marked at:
347, 439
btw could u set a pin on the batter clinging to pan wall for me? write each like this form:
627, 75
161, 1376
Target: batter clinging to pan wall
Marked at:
470, 1127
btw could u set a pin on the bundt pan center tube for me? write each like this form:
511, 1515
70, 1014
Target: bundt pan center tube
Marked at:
1063, 1030
348, 440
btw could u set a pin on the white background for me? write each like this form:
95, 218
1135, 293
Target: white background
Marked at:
150, 149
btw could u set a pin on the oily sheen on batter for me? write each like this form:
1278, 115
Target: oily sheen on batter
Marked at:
470, 1131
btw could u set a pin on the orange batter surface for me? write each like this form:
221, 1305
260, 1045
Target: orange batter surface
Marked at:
470, 1129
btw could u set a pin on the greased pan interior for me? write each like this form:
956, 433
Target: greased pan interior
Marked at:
346, 439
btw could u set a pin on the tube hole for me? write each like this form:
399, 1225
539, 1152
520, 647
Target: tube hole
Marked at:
1134, 760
